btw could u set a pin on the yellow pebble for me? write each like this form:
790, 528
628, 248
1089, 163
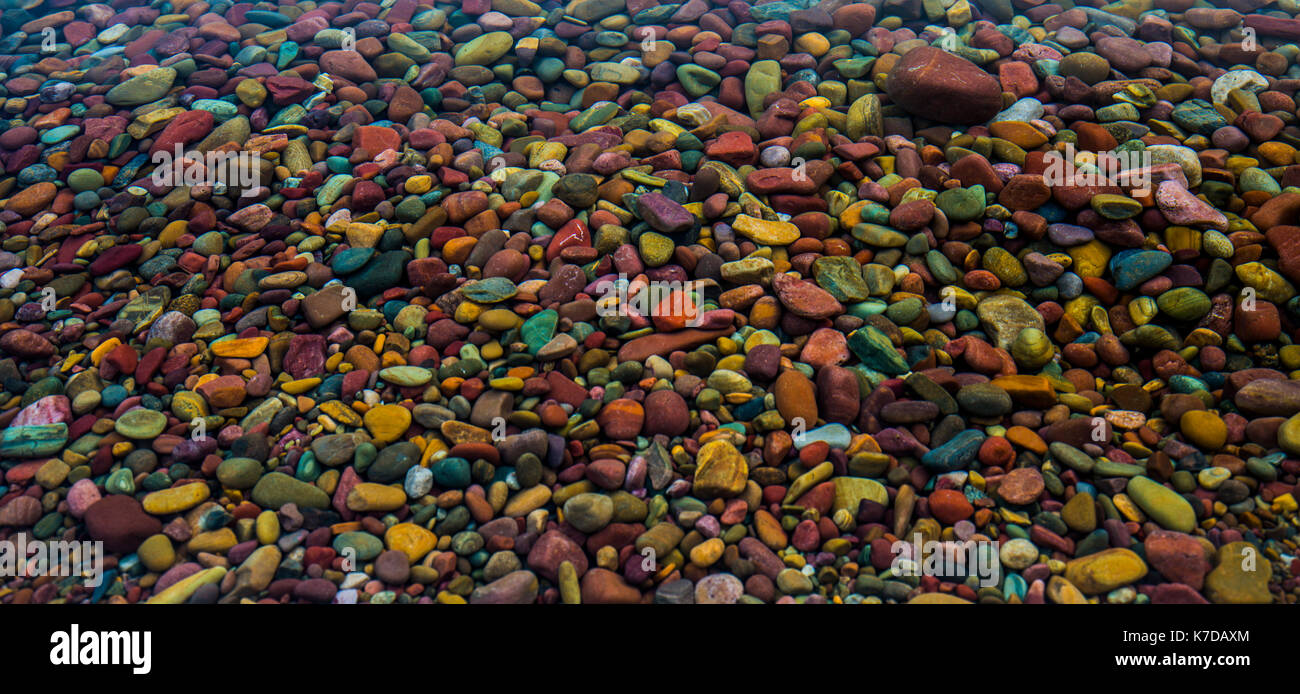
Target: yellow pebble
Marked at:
410, 539
418, 185
733, 362
73, 359
241, 348
369, 496
181, 590
387, 423
1127, 508
98, 353
215, 542
467, 312
300, 386
268, 527
176, 499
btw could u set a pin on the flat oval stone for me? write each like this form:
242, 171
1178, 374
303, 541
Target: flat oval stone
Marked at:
406, 375
141, 424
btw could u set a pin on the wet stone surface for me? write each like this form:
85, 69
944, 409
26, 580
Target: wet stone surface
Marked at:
623, 301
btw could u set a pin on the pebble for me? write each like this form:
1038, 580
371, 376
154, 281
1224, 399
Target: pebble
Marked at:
1164, 506
1235, 580
1105, 571
851, 298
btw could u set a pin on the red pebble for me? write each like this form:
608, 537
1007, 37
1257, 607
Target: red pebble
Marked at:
949, 506
997, 451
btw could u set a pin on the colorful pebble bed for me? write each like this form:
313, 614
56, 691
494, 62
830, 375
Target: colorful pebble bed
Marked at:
620, 301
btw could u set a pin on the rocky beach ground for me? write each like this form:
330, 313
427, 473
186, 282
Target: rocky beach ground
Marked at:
909, 271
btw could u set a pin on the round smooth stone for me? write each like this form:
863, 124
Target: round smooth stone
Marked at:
141, 424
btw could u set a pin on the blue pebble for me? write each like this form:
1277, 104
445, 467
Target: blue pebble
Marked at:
113, 395
86, 200
737, 427
1187, 384
1132, 267
106, 580
1025, 110
835, 436
775, 10
351, 260
288, 51
53, 136
338, 165
331, 388
274, 20
128, 173
810, 76
749, 410
37, 173
957, 453
250, 55
452, 472
1014, 584
1069, 285
861, 47
1052, 212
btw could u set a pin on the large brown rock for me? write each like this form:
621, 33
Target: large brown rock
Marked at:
121, 523
804, 298
838, 397
32, 199
552, 549
1286, 239
1241, 577
796, 398
1279, 210
604, 587
666, 412
642, 348
934, 84
1178, 557
348, 64
20, 512
26, 345
1269, 397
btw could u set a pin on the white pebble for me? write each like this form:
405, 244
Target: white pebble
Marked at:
775, 156
10, 279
